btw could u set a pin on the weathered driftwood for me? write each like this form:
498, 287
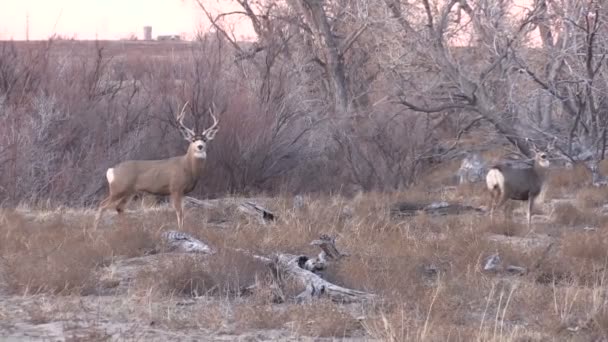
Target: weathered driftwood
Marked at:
329, 253
254, 209
298, 267
298, 201
303, 269
405, 209
195, 202
316, 287
472, 169
182, 242
494, 264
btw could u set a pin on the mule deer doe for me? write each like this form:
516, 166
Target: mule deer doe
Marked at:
174, 176
508, 180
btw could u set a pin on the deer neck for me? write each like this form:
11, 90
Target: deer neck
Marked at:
540, 170
193, 164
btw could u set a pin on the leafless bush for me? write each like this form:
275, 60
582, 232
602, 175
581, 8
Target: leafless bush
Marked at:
366, 95
226, 274
568, 214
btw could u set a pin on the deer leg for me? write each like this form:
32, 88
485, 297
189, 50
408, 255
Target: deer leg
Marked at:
530, 208
120, 206
178, 206
501, 201
494, 195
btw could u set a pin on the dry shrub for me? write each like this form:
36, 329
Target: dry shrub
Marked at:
505, 227
599, 323
589, 198
444, 314
495, 154
226, 273
603, 166
553, 271
75, 333
568, 215
259, 317
319, 319
563, 181
49, 257
184, 275
323, 319
129, 238
574, 264
52, 252
211, 314
393, 325
232, 271
444, 174
399, 266
586, 245
147, 201
476, 193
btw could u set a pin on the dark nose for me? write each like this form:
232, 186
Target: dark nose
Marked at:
200, 147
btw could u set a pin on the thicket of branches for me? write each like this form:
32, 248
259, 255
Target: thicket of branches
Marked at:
332, 95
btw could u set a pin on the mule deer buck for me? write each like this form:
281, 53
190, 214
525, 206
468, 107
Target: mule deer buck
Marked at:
174, 176
517, 181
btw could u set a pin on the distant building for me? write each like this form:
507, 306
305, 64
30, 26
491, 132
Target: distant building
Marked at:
147, 32
169, 37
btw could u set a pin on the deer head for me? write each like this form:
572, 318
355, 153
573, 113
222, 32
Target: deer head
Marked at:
541, 157
198, 142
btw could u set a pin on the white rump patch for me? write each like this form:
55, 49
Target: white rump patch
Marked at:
110, 175
494, 179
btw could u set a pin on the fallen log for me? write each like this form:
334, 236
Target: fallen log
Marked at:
329, 253
185, 243
303, 269
315, 286
298, 267
406, 209
254, 209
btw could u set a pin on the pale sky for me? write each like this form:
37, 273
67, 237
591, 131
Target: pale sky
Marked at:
102, 19
113, 19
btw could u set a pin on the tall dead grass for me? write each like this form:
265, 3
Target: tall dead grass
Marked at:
59, 256
428, 271
226, 274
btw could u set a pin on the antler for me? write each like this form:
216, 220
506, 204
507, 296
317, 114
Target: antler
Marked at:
533, 147
210, 132
187, 132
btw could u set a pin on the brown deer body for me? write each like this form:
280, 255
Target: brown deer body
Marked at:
172, 177
517, 182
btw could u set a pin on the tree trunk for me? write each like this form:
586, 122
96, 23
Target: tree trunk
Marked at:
314, 14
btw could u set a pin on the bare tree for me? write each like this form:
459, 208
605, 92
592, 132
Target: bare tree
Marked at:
574, 77
475, 78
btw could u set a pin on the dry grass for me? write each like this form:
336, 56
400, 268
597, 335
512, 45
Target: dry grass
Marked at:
564, 182
504, 226
60, 256
428, 271
224, 274
567, 214
323, 319
591, 198
586, 245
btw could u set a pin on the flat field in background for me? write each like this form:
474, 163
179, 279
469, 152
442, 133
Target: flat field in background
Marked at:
62, 281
